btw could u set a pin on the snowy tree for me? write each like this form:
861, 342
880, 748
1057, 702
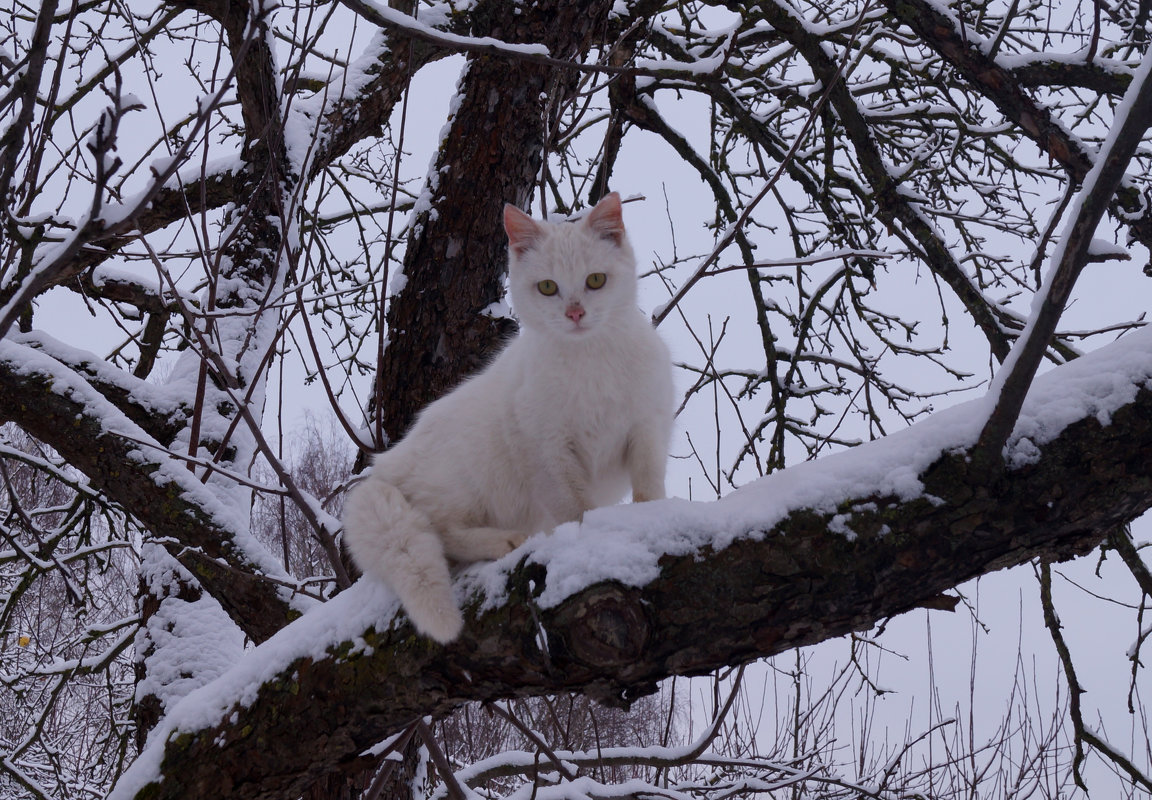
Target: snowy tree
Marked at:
218, 214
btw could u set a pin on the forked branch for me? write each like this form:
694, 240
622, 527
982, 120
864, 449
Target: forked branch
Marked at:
1072, 253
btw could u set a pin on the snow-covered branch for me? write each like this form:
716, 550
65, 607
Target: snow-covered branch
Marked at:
1071, 255
816, 551
964, 51
98, 438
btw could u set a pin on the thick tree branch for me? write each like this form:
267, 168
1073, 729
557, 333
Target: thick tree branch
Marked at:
131, 472
351, 117
1060, 74
797, 583
1071, 256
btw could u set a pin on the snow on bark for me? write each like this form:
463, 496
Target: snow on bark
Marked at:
636, 593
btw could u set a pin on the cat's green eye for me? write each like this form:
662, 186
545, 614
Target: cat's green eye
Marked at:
596, 280
547, 288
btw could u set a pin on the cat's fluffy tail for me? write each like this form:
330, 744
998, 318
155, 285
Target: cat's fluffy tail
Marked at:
396, 543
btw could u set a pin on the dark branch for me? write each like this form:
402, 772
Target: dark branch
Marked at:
1001, 86
129, 472
1072, 255
771, 591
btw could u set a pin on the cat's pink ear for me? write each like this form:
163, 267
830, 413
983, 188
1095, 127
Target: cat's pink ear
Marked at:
522, 230
606, 219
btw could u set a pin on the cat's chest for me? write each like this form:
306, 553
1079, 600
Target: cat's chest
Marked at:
590, 398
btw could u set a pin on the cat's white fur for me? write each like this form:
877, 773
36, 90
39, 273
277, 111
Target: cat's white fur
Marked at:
574, 411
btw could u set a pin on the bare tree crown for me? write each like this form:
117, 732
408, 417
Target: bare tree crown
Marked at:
857, 213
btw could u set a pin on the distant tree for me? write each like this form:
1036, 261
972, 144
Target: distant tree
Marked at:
871, 206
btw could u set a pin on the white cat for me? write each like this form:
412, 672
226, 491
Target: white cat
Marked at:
577, 408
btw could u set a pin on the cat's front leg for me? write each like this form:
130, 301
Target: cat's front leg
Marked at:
645, 457
573, 486
560, 484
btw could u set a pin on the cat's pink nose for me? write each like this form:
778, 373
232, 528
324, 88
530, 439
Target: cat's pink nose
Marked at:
575, 313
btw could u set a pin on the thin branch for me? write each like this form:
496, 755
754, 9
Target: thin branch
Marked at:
731, 231
456, 790
1052, 623
1011, 384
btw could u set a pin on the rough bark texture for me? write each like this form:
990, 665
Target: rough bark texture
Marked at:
795, 585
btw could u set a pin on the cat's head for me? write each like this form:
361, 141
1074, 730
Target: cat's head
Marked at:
572, 280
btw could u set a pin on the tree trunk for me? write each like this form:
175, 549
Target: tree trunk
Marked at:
438, 328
